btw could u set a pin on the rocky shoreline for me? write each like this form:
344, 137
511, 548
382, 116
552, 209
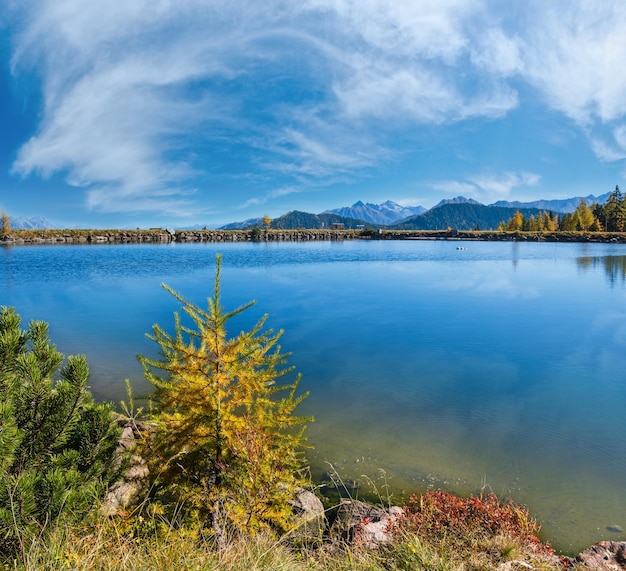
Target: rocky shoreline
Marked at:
356, 523
165, 236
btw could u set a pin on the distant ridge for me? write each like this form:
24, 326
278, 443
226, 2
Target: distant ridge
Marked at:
249, 223
36, 223
296, 219
463, 216
456, 200
384, 214
557, 205
391, 214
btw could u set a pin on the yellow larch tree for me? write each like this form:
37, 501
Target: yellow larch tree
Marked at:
5, 223
226, 441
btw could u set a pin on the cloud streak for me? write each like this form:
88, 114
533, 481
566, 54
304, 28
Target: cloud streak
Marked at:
117, 111
489, 187
572, 56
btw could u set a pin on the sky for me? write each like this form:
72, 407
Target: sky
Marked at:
144, 113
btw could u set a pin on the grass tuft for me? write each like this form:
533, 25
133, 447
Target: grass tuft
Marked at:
439, 533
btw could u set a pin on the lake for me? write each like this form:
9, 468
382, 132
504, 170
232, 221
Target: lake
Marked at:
467, 366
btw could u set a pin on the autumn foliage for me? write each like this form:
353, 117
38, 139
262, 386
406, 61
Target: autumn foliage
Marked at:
439, 515
5, 224
226, 444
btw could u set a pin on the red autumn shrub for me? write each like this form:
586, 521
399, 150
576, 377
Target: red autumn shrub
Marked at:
440, 515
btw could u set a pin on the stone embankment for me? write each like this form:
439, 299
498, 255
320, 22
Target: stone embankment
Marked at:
161, 236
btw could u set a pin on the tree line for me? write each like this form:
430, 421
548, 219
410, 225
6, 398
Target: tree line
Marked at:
607, 217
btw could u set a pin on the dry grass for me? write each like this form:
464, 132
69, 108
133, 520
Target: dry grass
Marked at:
120, 545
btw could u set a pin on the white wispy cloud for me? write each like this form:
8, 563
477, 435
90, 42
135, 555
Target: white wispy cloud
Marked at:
409, 61
285, 191
503, 184
455, 187
425, 29
497, 53
275, 193
572, 53
611, 150
116, 111
137, 96
489, 187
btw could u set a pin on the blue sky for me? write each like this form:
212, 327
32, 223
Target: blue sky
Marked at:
139, 113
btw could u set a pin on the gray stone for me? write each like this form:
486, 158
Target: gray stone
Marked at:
308, 517
128, 488
604, 556
364, 524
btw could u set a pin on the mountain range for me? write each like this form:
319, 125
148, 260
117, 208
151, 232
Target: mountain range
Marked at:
389, 213
296, 219
563, 206
22, 223
385, 214
460, 213
463, 216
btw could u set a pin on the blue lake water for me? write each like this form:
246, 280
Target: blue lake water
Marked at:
501, 366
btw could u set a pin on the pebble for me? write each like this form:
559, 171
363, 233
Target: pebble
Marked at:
615, 528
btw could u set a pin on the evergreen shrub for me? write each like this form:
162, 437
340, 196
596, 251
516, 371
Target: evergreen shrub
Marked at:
56, 443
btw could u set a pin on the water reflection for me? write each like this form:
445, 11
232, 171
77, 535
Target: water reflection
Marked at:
6, 264
614, 267
515, 254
